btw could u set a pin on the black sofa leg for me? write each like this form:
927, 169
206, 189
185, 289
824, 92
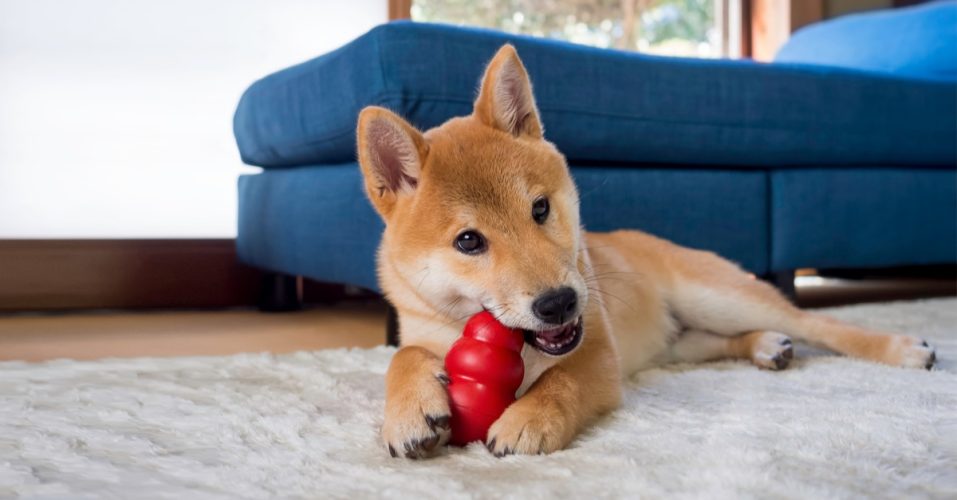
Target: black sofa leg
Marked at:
280, 293
392, 327
784, 282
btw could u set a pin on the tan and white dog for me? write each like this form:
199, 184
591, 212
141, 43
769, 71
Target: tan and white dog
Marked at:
482, 213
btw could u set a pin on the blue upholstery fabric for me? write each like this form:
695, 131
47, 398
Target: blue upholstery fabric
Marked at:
603, 105
315, 221
863, 217
311, 221
721, 210
916, 42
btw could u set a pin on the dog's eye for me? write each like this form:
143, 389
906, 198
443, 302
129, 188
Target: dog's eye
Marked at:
470, 242
540, 210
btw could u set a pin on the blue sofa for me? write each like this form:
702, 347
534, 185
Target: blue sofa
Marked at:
799, 163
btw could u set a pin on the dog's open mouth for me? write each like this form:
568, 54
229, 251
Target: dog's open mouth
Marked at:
557, 341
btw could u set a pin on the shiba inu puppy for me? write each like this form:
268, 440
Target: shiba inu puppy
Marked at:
482, 213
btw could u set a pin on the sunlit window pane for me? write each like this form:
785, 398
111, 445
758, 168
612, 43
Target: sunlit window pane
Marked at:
665, 27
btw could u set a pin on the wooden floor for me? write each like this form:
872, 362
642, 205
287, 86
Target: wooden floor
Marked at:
37, 337
92, 335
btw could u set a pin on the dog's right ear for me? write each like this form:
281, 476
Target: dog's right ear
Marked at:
391, 155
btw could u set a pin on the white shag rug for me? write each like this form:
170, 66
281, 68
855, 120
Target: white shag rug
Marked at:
306, 425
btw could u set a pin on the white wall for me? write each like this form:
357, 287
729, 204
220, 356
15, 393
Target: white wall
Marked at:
116, 115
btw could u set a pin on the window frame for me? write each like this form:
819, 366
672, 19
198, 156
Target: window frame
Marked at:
749, 28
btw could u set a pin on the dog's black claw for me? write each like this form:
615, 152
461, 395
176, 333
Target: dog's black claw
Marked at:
412, 451
442, 422
786, 342
924, 343
443, 378
428, 444
788, 354
419, 448
931, 361
491, 445
780, 362
392, 452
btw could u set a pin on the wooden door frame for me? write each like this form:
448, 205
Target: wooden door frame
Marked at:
771, 23
400, 9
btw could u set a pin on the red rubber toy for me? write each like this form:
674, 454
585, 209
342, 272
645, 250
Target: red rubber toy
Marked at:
485, 369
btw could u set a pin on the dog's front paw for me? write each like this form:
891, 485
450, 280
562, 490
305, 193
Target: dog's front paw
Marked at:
910, 352
417, 422
529, 428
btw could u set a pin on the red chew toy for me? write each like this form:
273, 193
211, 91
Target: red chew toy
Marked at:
485, 367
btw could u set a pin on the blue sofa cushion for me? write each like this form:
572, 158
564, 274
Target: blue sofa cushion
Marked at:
916, 42
603, 105
863, 217
315, 220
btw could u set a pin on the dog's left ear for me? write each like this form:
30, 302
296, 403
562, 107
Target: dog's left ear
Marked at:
505, 100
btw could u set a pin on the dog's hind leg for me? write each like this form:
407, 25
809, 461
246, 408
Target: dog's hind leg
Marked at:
713, 295
771, 350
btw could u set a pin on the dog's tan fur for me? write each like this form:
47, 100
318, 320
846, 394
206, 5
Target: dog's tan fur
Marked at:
647, 301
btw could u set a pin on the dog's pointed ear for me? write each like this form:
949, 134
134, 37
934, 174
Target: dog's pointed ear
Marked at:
505, 100
391, 155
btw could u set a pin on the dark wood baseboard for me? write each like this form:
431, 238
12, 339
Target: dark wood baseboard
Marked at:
123, 274
43, 275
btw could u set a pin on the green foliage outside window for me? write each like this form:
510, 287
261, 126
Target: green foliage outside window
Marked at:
672, 27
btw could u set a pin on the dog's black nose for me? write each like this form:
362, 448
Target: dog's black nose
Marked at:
556, 306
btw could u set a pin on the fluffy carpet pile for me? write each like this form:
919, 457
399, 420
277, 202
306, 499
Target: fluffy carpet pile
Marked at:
306, 425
